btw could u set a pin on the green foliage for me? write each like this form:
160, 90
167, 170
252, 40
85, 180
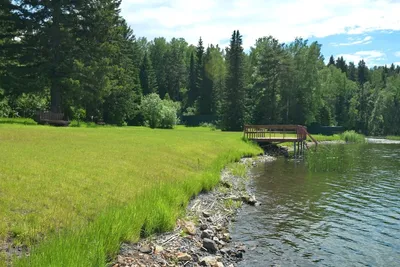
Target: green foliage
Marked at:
148, 79
159, 113
234, 98
352, 137
5, 109
27, 104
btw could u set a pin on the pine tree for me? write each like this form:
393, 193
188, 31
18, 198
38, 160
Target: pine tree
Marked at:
331, 61
341, 64
352, 72
362, 73
192, 94
199, 68
206, 92
267, 82
147, 76
233, 109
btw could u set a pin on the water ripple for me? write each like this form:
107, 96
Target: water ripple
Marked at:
329, 219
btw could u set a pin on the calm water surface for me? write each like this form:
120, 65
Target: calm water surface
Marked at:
344, 217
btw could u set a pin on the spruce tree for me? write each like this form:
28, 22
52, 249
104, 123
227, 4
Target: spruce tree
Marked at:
352, 72
341, 64
331, 61
233, 109
206, 92
147, 76
199, 68
192, 94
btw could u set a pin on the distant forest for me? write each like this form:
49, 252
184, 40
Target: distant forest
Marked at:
81, 57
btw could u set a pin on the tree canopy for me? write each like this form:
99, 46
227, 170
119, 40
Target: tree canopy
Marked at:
70, 56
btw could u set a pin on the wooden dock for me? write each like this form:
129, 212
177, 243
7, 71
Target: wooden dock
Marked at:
277, 134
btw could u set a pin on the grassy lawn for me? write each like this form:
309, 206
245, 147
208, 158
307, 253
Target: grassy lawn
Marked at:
73, 194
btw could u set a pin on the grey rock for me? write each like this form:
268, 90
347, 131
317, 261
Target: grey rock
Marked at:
226, 237
207, 234
209, 261
184, 257
252, 200
225, 251
203, 227
206, 214
145, 249
210, 245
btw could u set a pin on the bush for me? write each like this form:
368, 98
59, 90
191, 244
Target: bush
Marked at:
159, 113
352, 137
28, 104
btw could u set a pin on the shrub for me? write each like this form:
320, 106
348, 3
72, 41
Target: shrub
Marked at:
352, 137
159, 113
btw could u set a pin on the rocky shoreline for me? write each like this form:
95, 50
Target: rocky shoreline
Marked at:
202, 238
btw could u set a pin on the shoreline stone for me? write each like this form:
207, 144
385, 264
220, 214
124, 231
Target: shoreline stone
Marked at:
202, 238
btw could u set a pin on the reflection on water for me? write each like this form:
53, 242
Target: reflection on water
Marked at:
314, 217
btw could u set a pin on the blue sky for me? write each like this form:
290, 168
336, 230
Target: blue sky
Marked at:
354, 29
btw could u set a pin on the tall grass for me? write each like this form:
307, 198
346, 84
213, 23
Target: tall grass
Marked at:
74, 194
326, 158
352, 137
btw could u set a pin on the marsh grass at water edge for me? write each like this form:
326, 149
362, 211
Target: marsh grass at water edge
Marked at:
353, 137
329, 158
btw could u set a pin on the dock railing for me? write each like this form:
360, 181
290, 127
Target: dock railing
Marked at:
277, 133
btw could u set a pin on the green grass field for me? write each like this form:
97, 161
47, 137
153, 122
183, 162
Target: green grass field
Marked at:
73, 194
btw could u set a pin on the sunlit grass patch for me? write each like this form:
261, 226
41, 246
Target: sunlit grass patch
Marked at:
73, 194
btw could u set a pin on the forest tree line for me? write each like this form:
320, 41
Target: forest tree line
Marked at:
80, 57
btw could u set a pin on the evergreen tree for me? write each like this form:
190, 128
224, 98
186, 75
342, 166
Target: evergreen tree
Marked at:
352, 72
148, 80
175, 68
199, 68
206, 92
233, 106
362, 73
341, 64
267, 83
158, 55
331, 61
192, 94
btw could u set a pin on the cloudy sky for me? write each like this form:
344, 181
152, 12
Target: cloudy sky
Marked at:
354, 29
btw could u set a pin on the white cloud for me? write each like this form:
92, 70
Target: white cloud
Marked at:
371, 57
397, 54
366, 40
215, 20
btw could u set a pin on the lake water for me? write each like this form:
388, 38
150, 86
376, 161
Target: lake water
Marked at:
328, 216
